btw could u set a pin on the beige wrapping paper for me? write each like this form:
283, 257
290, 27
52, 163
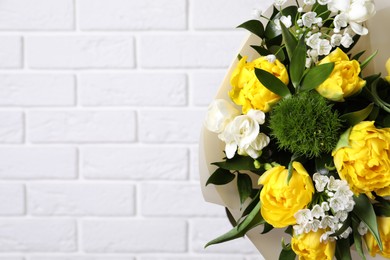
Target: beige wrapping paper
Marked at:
211, 148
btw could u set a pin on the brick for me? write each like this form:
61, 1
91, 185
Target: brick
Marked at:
204, 86
38, 163
80, 52
37, 90
219, 14
95, 199
73, 257
162, 199
11, 127
12, 199
204, 230
170, 126
36, 15
194, 163
186, 257
37, 235
81, 126
135, 236
182, 51
134, 163
132, 14
11, 258
141, 89
10, 52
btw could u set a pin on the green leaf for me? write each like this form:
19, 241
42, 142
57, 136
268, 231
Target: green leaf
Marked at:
343, 251
289, 40
252, 205
323, 163
267, 228
237, 163
254, 26
376, 97
298, 63
368, 60
271, 31
244, 185
287, 254
365, 212
252, 220
358, 55
272, 83
346, 224
220, 177
381, 210
316, 76
261, 50
356, 117
344, 140
230, 217
357, 237
278, 52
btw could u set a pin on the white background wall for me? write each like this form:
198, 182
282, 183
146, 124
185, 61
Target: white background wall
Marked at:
101, 107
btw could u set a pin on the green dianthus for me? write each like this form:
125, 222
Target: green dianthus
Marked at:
305, 124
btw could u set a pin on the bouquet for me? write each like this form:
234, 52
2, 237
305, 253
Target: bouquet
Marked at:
306, 133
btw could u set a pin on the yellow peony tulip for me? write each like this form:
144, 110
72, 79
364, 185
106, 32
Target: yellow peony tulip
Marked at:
247, 90
344, 81
308, 246
281, 200
365, 163
388, 70
384, 233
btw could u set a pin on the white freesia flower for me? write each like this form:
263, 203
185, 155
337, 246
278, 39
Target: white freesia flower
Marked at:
324, 47
362, 228
317, 211
309, 18
257, 115
313, 40
255, 148
303, 216
340, 21
320, 181
309, 2
335, 40
280, 2
220, 112
359, 29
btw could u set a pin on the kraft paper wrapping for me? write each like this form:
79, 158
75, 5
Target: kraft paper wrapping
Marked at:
211, 148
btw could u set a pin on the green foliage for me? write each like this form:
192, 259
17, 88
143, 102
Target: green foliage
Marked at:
357, 237
356, 117
220, 177
343, 251
272, 83
238, 163
244, 185
305, 124
254, 26
298, 63
316, 76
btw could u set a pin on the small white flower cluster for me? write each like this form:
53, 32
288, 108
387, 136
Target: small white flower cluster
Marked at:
331, 213
241, 133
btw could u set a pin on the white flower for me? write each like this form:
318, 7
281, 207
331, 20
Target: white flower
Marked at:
257, 115
359, 29
334, 184
346, 40
326, 236
346, 233
313, 40
286, 20
309, 18
340, 21
327, 221
324, 47
344, 190
317, 211
315, 225
320, 181
324, 2
271, 58
220, 112
350, 204
309, 2
280, 2
362, 228
335, 40
341, 215
255, 148
337, 203
325, 206
303, 216
300, 10
298, 229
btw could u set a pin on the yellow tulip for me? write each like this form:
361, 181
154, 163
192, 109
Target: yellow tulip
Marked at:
280, 199
365, 163
309, 247
247, 91
344, 81
384, 233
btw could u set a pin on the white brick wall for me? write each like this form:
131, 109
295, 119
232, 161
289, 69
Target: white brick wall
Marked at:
101, 103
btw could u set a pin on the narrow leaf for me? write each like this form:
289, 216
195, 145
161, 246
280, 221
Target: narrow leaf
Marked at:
244, 185
237, 163
357, 237
251, 205
316, 76
365, 212
358, 55
343, 251
287, 254
254, 26
356, 117
289, 40
230, 217
272, 83
252, 220
298, 63
344, 140
368, 60
220, 177
267, 228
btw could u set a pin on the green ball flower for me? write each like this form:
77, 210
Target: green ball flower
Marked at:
305, 124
